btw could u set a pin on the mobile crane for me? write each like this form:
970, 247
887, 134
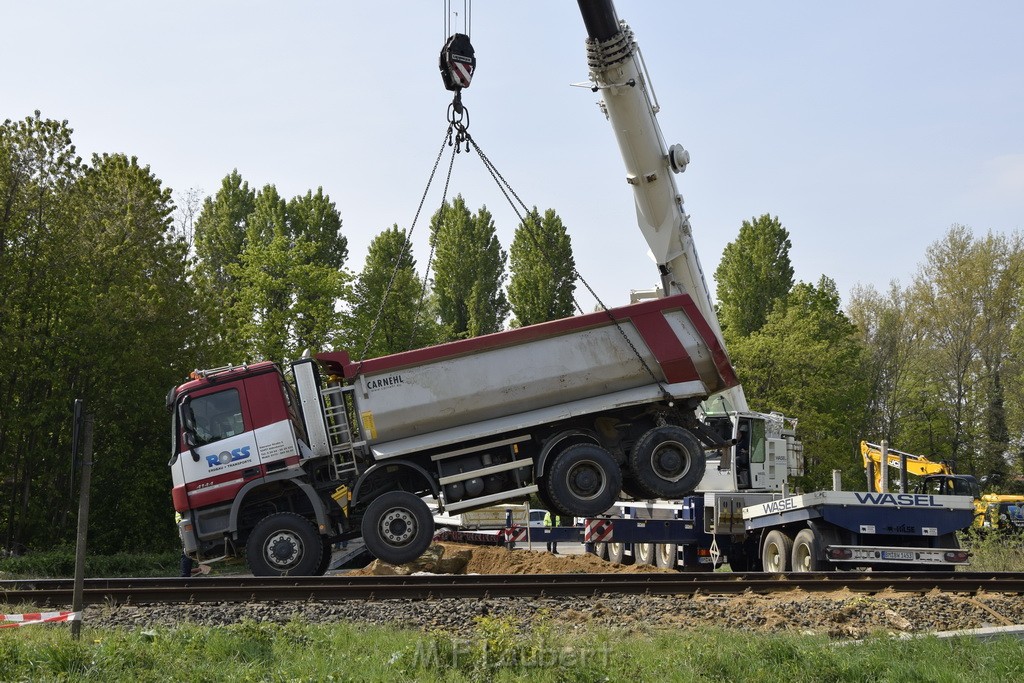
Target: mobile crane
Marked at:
282, 462
740, 510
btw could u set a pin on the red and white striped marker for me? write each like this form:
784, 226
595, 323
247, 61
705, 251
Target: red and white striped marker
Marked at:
12, 620
515, 534
597, 531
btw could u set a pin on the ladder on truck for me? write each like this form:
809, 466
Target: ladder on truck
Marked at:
337, 400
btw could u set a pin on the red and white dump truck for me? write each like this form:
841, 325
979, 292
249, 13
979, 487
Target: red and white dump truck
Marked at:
584, 412
270, 461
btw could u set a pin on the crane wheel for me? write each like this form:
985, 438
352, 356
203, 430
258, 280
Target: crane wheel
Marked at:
776, 552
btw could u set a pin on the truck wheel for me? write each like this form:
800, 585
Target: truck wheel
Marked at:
601, 550
667, 462
666, 555
807, 553
584, 480
776, 552
397, 527
617, 554
644, 553
325, 561
284, 544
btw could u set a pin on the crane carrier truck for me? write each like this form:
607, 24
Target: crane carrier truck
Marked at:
584, 411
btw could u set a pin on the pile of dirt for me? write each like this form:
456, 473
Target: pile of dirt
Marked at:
458, 558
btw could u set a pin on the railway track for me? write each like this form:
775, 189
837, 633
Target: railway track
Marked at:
56, 592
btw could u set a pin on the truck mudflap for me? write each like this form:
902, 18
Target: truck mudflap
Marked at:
881, 555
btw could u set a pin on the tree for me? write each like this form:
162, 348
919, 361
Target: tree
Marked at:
221, 227
290, 277
893, 339
543, 270
806, 361
38, 172
130, 334
755, 272
401, 323
469, 271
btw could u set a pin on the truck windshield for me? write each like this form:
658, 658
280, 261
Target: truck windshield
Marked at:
216, 416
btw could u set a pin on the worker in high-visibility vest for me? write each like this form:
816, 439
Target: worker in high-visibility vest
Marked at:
550, 521
187, 563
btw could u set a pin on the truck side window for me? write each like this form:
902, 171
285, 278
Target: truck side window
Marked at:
756, 441
217, 416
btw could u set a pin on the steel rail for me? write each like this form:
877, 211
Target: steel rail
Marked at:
332, 588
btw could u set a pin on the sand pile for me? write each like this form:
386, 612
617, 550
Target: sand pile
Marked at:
458, 558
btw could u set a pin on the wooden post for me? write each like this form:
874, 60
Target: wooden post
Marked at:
83, 528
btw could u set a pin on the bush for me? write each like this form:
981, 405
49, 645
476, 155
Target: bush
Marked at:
59, 563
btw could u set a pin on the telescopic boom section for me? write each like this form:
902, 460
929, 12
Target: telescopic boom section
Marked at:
628, 102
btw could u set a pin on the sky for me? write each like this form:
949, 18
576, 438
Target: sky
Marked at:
867, 128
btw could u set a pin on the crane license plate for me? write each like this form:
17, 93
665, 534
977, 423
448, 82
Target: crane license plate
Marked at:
897, 555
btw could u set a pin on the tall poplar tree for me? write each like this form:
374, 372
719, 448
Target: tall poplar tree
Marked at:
543, 270
402, 323
755, 272
469, 271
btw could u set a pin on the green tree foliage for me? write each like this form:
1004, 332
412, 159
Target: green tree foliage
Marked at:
402, 323
290, 277
755, 272
893, 338
543, 270
97, 306
957, 393
271, 272
221, 227
805, 361
469, 271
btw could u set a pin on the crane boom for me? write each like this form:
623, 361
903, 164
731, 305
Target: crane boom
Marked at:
617, 71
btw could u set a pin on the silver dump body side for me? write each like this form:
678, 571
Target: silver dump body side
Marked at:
540, 373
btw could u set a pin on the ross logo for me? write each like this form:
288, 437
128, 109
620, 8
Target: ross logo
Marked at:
225, 457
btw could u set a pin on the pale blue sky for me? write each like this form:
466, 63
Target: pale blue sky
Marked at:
868, 128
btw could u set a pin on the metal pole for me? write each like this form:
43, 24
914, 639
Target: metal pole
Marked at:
885, 467
837, 480
903, 473
83, 527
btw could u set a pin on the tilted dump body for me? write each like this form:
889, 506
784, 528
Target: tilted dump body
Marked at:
510, 380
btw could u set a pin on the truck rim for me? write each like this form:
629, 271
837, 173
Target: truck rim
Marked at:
398, 526
283, 549
670, 461
586, 480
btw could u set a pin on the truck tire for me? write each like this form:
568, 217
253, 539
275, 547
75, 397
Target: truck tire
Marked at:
584, 480
601, 550
807, 553
284, 544
776, 552
645, 553
325, 561
617, 554
397, 527
666, 555
667, 462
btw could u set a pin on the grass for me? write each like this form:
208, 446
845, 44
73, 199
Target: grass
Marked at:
496, 651
994, 551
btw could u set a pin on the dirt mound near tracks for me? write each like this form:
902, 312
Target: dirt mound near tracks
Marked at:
458, 558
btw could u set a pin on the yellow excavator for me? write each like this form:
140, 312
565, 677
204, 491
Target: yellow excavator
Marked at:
991, 510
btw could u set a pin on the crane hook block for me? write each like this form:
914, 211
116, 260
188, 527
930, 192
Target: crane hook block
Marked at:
458, 62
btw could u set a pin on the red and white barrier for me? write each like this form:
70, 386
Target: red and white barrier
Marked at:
11, 620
